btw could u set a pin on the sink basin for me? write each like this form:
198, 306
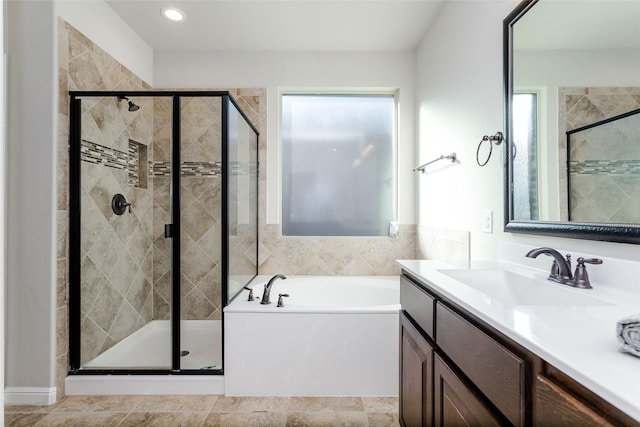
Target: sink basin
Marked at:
515, 289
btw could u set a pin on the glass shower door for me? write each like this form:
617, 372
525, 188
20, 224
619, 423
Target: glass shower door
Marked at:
241, 198
200, 229
124, 259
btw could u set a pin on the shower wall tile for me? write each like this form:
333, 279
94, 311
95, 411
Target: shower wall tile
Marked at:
62, 297
62, 360
113, 300
63, 87
62, 332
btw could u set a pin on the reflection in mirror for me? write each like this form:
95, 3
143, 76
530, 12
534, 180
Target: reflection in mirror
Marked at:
524, 155
604, 170
570, 65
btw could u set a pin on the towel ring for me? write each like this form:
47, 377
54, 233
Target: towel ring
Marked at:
493, 139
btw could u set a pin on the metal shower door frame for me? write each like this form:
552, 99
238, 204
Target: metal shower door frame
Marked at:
174, 228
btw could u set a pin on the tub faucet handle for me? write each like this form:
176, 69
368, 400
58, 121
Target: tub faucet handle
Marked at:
251, 297
280, 301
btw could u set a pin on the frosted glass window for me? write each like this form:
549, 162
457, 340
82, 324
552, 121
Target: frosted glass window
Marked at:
337, 165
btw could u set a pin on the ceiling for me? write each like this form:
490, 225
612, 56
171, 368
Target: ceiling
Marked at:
270, 25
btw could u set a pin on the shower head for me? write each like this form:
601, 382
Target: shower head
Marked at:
132, 106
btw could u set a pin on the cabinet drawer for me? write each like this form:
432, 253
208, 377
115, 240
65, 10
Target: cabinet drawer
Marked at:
418, 304
498, 373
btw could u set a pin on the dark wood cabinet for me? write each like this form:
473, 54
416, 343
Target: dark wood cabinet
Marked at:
455, 370
455, 403
416, 376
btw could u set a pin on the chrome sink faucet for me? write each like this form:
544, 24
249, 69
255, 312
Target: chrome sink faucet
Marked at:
267, 288
561, 268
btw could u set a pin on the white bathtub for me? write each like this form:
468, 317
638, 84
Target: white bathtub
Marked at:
335, 336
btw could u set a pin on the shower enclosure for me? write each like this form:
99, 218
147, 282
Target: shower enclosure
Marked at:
163, 228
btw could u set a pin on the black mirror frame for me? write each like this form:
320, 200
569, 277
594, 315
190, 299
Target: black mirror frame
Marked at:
621, 233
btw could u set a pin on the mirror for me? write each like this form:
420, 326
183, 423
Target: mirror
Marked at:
572, 119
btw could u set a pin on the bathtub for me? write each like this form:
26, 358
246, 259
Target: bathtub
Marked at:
335, 336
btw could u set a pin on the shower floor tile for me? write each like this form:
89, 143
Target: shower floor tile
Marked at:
207, 411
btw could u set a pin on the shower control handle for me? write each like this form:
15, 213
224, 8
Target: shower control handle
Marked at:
119, 204
280, 301
251, 297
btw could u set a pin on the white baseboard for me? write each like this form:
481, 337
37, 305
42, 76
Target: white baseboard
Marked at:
29, 395
94, 385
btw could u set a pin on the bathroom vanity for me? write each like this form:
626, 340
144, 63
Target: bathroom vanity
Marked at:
468, 358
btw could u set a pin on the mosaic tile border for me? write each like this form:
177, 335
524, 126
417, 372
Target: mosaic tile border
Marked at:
110, 157
188, 169
605, 167
99, 154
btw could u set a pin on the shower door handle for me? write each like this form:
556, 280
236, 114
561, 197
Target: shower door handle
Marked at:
168, 231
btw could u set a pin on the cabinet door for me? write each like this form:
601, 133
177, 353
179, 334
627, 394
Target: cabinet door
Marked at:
416, 377
455, 404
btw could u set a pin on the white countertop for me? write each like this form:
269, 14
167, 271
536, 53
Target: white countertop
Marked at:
580, 340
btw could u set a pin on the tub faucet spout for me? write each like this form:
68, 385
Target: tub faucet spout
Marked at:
267, 288
561, 268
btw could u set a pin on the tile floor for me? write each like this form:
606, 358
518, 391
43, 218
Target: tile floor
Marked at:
207, 411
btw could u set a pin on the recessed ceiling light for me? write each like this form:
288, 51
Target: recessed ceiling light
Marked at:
173, 14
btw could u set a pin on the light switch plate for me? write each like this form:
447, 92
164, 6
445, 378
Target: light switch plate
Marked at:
487, 221
393, 229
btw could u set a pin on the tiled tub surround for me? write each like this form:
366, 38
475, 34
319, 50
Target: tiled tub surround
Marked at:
581, 106
578, 339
